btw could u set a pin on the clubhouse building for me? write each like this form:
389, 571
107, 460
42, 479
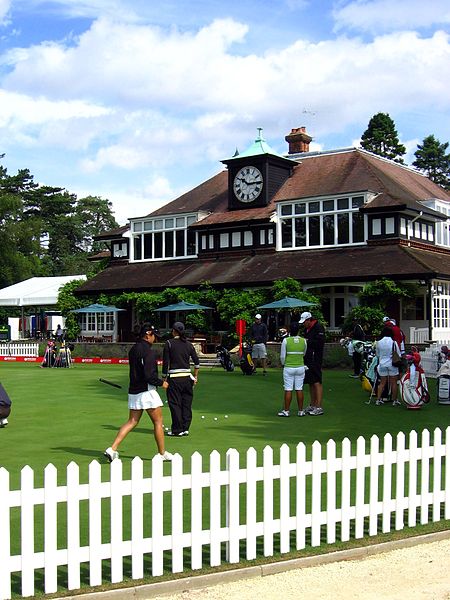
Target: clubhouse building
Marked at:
333, 220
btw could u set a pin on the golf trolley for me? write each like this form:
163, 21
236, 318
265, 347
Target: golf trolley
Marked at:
246, 361
224, 358
64, 356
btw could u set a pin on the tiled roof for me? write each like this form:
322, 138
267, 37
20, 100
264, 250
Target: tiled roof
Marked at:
208, 196
340, 173
316, 175
112, 233
358, 263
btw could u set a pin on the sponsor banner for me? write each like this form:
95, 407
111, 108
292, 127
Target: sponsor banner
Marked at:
20, 359
96, 360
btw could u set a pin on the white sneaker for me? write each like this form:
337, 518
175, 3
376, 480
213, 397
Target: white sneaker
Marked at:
111, 454
309, 409
3, 422
316, 411
283, 413
379, 402
301, 413
166, 456
396, 403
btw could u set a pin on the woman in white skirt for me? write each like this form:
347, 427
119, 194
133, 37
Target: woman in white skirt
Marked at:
142, 392
386, 370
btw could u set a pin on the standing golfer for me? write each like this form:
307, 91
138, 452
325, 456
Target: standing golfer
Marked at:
142, 393
5, 407
293, 348
177, 354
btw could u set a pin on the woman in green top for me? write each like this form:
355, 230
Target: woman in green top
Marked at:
293, 349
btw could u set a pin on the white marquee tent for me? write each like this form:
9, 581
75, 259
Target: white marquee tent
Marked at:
37, 291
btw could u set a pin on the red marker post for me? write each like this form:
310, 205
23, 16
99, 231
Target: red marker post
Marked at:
240, 330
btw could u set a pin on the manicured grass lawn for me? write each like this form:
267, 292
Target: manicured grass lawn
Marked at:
64, 415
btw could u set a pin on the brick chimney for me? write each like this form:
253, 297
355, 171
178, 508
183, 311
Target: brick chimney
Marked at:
298, 140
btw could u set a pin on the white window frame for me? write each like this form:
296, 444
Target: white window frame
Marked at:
248, 238
376, 226
390, 226
163, 225
283, 207
224, 240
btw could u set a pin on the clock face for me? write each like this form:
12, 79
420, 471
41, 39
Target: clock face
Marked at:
248, 184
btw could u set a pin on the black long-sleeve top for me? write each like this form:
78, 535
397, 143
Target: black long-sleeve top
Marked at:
143, 367
259, 333
315, 337
177, 355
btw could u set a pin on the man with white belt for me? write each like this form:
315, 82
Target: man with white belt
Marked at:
176, 370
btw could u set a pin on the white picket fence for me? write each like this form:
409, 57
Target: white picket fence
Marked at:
248, 510
19, 349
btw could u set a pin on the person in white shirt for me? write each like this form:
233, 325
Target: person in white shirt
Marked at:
386, 370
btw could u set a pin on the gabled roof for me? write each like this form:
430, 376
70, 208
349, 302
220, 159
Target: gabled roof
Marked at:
208, 196
111, 234
345, 172
320, 174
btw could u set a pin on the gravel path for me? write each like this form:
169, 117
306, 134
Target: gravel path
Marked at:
420, 572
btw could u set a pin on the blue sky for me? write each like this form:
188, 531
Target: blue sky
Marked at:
137, 101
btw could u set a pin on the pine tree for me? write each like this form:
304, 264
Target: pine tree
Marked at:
381, 138
432, 158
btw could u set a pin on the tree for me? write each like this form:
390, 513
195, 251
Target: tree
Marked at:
432, 158
381, 138
94, 215
20, 240
67, 301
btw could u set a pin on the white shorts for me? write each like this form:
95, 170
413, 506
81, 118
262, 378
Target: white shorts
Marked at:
293, 378
144, 400
259, 351
387, 371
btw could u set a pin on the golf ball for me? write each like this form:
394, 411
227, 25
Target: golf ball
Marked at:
203, 416
215, 418
226, 416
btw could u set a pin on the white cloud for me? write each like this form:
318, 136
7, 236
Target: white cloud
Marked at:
388, 15
5, 6
143, 100
136, 200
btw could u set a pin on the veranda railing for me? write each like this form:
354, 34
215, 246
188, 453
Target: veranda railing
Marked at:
88, 533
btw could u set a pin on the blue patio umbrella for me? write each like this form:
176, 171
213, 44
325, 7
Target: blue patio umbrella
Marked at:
97, 308
287, 302
182, 306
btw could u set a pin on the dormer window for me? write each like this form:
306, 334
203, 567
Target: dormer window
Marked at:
163, 238
320, 223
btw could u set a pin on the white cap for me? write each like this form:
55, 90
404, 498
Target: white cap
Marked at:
304, 316
258, 316
386, 319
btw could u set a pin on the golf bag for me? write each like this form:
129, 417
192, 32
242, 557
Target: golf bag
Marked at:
246, 361
225, 358
443, 377
64, 356
49, 355
413, 384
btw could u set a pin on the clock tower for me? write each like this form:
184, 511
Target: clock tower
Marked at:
254, 176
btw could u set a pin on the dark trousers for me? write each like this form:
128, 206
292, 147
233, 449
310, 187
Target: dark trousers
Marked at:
357, 363
5, 411
180, 395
